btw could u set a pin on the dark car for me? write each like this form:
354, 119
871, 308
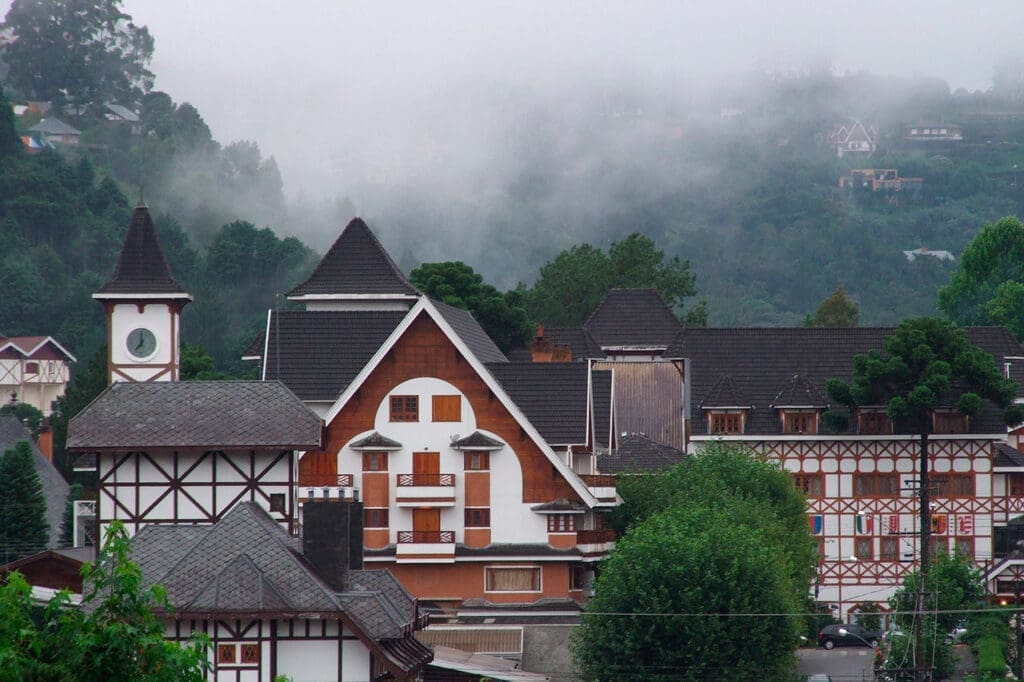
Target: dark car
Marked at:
847, 634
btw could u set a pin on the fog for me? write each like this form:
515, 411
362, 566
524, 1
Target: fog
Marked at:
440, 120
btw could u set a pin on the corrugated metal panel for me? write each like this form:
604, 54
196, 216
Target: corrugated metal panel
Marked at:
648, 399
503, 641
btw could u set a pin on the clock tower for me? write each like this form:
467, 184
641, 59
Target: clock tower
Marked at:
143, 303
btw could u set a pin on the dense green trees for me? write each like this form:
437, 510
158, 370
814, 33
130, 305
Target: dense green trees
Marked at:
117, 636
23, 526
78, 52
838, 310
570, 286
721, 535
502, 316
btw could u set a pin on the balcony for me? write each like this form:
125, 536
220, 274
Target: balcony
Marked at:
425, 490
326, 487
602, 486
595, 541
425, 546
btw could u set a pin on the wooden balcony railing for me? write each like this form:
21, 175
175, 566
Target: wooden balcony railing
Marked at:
325, 480
595, 537
598, 480
406, 537
410, 480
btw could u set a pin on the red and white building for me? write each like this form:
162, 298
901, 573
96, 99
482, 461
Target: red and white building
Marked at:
33, 370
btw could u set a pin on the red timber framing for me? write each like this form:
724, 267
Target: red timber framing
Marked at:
193, 487
425, 351
866, 522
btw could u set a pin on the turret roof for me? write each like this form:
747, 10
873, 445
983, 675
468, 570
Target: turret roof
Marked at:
141, 267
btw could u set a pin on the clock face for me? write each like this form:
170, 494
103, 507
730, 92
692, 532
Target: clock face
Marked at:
141, 342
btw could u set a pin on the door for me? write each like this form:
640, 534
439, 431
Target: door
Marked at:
426, 468
426, 525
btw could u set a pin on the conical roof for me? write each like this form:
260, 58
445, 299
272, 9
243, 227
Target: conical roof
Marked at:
141, 267
356, 264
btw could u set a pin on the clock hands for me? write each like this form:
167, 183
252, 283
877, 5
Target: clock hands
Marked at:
142, 340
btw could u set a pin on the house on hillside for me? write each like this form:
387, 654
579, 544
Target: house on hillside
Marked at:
880, 180
853, 137
34, 370
933, 132
765, 389
55, 131
117, 114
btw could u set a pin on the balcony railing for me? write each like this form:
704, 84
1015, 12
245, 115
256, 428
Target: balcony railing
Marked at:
595, 537
325, 480
406, 537
418, 480
598, 480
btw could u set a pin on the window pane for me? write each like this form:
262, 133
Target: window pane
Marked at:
525, 579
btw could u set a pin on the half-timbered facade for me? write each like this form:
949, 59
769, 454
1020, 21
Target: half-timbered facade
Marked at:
273, 606
188, 452
765, 388
467, 497
33, 370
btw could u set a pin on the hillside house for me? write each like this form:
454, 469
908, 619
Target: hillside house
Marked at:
853, 137
34, 370
56, 131
879, 180
933, 132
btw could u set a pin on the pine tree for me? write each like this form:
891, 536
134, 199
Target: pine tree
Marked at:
23, 526
67, 521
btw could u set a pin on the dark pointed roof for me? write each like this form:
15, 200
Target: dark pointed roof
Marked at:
141, 267
472, 334
799, 392
637, 454
1007, 457
552, 395
477, 441
375, 441
356, 264
723, 394
633, 317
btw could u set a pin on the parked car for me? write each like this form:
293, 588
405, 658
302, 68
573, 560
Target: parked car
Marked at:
820, 677
847, 634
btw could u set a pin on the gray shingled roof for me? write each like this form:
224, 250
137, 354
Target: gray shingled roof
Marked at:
477, 440
54, 126
356, 264
471, 333
141, 267
321, 352
578, 339
639, 454
195, 414
633, 317
798, 392
1007, 456
723, 394
552, 395
55, 488
375, 441
761, 361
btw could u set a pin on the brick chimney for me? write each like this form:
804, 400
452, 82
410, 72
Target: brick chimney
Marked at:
46, 439
332, 539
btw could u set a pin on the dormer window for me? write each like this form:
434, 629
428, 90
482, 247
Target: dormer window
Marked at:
949, 421
873, 422
800, 421
726, 422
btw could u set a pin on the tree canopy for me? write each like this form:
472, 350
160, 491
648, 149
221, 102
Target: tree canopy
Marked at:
988, 285
502, 316
571, 286
82, 52
23, 526
838, 310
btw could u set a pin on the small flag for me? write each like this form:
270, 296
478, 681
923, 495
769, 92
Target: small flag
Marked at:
940, 524
815, 523
865, 524
964, 524
894, 523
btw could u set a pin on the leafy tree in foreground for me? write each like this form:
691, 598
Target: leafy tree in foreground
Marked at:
988, 286
23, 526
838, 310
115, 635
570, 286
502, 316
83, 52
696, 561
197, 365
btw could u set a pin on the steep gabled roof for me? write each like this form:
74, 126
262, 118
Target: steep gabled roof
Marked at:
55, 488
799, 392
763, 361
552, 395
477, 441
471, 333
723, 394
637, 454
633, 317
356, 264
206, 414
35, 347
54, 126
141, 267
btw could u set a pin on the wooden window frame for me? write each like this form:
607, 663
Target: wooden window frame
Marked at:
376, 517
477, 517
404, 408
477, 460
726, 423
250, 654
277, 502
943, 422
577, 577
792, 420
806, 483
375, 461
952, 485
32, 367
1015, 484
962, 541
563, 523
446, 408
873, 423
226, 653
860, 480
889, 548
864, 548
537, 584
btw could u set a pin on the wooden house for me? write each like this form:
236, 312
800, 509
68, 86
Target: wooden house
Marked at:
853, 137
34, 370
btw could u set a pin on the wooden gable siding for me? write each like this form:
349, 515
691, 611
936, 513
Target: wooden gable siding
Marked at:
424, 351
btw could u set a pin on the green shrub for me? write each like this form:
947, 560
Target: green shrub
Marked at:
991, 652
